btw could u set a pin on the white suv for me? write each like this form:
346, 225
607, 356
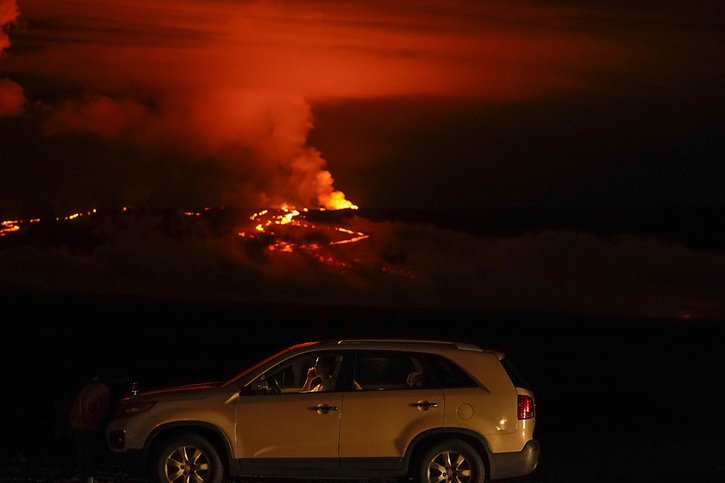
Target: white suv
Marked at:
433, 411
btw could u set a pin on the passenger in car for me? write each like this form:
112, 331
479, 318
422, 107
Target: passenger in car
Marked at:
320, 375
415, 379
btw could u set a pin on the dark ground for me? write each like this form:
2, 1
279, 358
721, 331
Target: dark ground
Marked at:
618, 400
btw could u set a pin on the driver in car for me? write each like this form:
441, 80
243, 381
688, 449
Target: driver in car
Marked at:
320, 375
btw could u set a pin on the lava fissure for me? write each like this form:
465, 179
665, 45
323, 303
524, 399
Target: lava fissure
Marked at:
287, 230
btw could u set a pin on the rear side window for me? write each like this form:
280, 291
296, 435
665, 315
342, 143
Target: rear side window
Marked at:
384, 371
448, 375
388, 370
516, 378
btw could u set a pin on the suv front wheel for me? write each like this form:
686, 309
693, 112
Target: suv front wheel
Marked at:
451, 461
189, 458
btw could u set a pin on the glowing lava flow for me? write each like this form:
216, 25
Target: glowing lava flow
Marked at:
287, 230
283, 230
11, 226
268, 225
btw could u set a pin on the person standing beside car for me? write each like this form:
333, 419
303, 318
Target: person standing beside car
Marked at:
87, 419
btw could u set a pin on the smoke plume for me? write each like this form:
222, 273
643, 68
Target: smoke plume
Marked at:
260, 135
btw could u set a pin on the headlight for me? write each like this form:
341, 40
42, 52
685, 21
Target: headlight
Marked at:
131, 409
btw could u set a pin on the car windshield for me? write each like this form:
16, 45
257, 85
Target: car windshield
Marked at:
242, 376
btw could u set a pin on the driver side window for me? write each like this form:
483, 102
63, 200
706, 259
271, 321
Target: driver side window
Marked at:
314, 372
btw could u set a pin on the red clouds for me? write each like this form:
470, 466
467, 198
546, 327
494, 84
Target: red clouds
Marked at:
232, 82
99, 115
12, 98
8, 14
319, 50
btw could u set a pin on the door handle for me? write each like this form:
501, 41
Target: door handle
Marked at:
424, 405
322, 408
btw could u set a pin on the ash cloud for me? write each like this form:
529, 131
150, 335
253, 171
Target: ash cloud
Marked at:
231, 84
12, 97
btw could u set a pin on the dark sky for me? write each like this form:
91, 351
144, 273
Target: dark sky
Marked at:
428, 105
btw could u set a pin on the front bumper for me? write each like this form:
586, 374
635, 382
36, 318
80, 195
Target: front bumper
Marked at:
509, 465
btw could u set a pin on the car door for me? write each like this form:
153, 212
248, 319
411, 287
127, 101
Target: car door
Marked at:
389, 403
282, 427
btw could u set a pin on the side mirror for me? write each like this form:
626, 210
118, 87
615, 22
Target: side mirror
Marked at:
260, 386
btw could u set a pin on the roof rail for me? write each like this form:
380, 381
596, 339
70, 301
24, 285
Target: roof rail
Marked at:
458, 345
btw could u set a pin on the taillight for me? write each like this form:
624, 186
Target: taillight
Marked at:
526, 407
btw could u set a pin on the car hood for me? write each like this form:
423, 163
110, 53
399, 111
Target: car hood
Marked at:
188, 391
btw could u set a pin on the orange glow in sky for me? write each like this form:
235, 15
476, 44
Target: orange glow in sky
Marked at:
235, 83
319, 50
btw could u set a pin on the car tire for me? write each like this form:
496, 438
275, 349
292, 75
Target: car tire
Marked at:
451, 460
189, 457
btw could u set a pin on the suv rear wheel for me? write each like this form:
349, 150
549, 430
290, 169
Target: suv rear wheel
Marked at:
189, 458
451, 461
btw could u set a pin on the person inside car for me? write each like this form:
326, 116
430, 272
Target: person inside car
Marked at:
319, 377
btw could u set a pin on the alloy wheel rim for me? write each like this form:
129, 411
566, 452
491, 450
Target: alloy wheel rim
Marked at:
449, 466
186, 464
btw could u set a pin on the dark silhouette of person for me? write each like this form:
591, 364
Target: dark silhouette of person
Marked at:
89, 415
